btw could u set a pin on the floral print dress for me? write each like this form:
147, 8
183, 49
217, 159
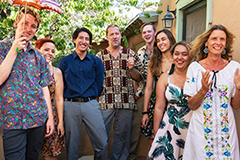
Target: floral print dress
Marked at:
212, 133
52, 145
170, 138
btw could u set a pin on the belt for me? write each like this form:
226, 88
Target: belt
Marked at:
80, 99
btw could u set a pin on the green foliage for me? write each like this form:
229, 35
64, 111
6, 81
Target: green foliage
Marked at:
137, 31
124, 39
95, 15
133, 2
159, 11
147, 15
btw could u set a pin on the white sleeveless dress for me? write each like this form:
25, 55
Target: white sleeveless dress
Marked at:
170, 138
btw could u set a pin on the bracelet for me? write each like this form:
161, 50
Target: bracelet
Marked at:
145, 112
18, 50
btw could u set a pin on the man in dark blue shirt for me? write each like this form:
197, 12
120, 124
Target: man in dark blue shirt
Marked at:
83, 81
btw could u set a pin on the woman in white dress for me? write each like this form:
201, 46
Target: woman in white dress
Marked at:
170, 132
213, 90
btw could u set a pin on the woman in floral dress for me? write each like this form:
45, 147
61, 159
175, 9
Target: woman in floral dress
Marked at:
160, 62
213, 90
52, 145
171, 125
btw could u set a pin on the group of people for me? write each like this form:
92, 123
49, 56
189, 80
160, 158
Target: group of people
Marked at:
185, 109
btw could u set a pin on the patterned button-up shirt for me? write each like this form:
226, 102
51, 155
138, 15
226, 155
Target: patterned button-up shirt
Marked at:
22, 104
118, 89
144, 57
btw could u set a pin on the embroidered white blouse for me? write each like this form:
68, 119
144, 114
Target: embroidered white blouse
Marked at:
212, 133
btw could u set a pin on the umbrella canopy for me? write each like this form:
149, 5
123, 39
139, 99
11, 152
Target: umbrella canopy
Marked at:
38, 4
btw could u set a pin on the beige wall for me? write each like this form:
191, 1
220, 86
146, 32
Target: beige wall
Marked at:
172, 6
134, 41
227, 14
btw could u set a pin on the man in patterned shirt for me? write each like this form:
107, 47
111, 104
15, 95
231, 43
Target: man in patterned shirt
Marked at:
24, 96
148, 32
117, 99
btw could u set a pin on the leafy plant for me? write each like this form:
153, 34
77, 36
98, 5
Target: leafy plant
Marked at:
92, 14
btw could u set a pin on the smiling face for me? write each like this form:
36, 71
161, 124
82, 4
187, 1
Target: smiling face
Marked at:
48, 50
163, 43
216, 42
30, 27
82, 42
181, 57
148, 33
114, 37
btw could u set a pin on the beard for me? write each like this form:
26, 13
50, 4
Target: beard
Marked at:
116, 45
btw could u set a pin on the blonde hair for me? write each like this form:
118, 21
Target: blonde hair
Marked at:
21, 13
198, 44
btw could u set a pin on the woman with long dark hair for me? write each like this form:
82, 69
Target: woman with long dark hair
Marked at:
160, 62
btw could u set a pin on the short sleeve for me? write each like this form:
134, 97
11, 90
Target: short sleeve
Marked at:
60, 64
138, 63
190, 86
234, 66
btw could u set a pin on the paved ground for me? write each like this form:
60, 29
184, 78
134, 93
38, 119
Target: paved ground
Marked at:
91, 158
86, 158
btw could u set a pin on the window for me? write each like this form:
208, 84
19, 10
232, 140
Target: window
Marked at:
194, 21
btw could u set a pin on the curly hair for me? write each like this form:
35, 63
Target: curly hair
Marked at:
156, 57
39, 43
198, 44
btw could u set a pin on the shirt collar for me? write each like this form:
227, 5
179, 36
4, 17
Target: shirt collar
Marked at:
75, 55
145, 50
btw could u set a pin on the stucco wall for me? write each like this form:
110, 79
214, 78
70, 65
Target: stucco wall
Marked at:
172, 6
227, 14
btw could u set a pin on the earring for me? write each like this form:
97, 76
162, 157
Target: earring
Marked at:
224, 50
205, 50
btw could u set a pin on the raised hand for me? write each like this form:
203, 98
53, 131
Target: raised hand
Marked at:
205, 80
19, 43
130, 63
